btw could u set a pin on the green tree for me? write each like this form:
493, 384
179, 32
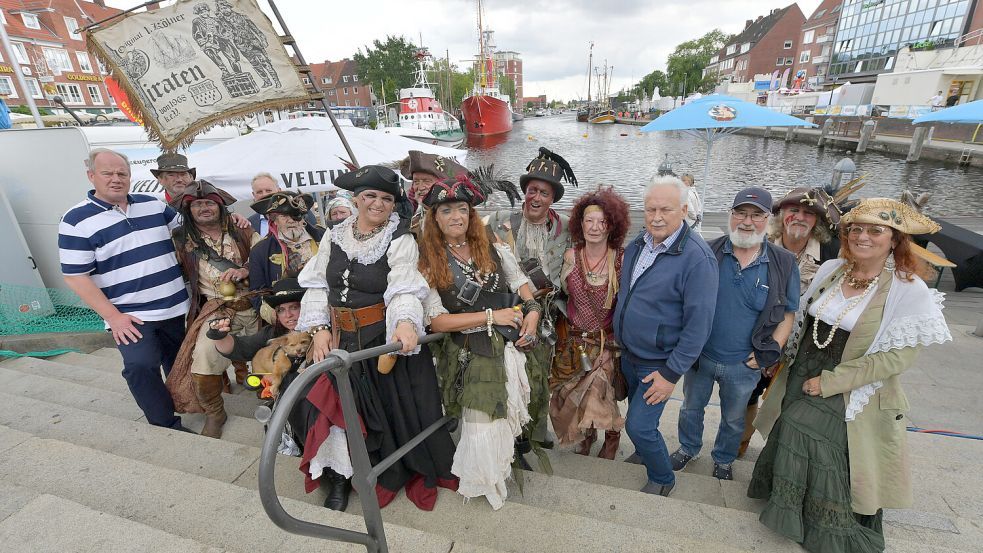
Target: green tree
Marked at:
24, 110
647, 85
388, 65
507, 86
685, 65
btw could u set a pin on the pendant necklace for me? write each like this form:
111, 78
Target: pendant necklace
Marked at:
592, 270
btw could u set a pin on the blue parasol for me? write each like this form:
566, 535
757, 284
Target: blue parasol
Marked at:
713, 117
965, 113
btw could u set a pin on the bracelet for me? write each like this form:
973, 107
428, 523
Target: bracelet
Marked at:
315, 329
489, 319
529, 306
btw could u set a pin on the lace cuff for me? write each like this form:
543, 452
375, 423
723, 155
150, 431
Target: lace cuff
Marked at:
911, 331
859, 398
314, 309
433, 307
405, 307
516, 278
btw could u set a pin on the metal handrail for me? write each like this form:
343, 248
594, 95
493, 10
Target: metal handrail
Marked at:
339, 362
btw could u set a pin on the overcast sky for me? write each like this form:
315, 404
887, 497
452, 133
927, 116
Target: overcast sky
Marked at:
552, 36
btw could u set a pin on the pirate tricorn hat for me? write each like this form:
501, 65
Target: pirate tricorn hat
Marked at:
287, 202
474, 188
422, 162
549, 167
202, 190
171, 162
815, 200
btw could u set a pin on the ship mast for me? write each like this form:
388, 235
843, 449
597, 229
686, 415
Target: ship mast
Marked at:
590, 62
482, 81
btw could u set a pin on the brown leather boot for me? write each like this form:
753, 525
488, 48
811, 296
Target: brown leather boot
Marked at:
242, 370
752, 411
208, 388
611, 440
583, 448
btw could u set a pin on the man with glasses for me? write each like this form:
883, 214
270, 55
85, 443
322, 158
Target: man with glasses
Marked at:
757, 296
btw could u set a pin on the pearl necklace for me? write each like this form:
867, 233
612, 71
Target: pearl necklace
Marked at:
839, 319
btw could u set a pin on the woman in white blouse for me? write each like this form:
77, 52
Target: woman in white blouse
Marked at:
835, 414
363, 290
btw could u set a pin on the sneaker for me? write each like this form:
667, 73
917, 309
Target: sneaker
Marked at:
679, 459
635, 459
658, 489
723, 472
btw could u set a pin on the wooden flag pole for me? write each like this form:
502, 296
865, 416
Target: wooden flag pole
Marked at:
302, 67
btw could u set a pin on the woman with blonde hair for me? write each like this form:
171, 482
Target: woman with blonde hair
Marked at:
835, 416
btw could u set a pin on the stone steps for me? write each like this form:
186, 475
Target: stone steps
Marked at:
589, 503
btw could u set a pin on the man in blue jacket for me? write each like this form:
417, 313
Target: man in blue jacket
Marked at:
663, 317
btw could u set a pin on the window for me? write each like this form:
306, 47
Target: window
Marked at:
327, 80
73, 28
7, 87
804, 57
331, 92
344, 78
808, 36
789, 61
83, 59
305, 80
102, 67
819, 14
781, 61
30, 20
354, 90
71, 93
21, 53
346, 90
347, 103
95, 93
787, 45
745, 47
357, 102
731, 49
34, 88
355, 78
57, 59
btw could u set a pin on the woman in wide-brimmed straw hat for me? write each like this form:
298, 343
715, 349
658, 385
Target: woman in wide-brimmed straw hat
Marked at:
835, 415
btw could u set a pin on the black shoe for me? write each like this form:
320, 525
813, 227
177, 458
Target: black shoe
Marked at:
547, 442
723, 472
337, 488
679, 459
658, 489
634, 459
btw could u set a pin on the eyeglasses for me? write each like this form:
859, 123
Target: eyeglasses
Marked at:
873, 230
756, 216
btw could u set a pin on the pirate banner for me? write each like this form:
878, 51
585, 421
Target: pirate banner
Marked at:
196, 63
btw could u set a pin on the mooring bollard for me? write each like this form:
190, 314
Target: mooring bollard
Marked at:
789, 134
827, 125
866, 132
917, 143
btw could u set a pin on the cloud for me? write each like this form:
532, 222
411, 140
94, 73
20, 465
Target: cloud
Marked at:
552, 36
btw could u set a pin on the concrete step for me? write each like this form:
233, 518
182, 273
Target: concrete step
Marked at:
242, 405
196, 508
49, 524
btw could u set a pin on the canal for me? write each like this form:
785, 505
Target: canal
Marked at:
624, 157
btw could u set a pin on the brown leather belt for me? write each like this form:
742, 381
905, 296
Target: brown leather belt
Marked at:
350, 320
239, 304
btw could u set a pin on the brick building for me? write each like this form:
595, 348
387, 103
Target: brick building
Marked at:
509, 64
535, 102
767, 44
52, 54
816, 44
338, 80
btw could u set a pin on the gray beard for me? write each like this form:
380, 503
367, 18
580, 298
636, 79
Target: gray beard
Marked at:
292, 234
796, 232
742, 241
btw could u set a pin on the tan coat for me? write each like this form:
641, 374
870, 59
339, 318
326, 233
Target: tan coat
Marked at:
880, 469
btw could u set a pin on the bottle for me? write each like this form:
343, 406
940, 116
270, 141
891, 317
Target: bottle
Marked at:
585, 363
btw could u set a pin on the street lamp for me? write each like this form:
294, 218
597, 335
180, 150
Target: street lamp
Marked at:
843, 172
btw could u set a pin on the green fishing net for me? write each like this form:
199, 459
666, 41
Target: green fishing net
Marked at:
30, 310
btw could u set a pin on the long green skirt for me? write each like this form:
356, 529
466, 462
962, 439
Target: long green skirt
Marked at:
804, 469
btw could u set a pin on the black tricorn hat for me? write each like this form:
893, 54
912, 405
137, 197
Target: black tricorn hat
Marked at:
202, 190
176, 163
457, 189
551, 168
284, 290
289, 203
438, 166
371, 177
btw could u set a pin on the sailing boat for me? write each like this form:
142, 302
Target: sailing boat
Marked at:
583, 114
486, 110
604, 115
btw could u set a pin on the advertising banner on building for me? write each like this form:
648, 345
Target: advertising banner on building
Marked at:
196, 63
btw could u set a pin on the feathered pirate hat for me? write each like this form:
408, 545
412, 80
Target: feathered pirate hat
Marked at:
891, 213
290, 203
551, 168
422, 162
815, 200
473, 188
202, 190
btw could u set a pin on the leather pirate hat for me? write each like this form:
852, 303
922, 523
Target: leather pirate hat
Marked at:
549, 167
287, 202
422, 162
176, 163
202, 190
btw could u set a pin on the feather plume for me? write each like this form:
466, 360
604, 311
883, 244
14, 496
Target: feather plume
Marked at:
567, 170
489, 182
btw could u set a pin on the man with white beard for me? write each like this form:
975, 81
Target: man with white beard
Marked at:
757, 296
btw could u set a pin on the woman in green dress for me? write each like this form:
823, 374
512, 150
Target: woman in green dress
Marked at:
834, 416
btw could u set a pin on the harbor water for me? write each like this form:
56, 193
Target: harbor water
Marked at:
626, 158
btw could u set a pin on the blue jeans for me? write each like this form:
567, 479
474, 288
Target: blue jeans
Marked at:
142, 363
642, 424
737, 382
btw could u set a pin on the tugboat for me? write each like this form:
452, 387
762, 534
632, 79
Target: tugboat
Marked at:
421, 116
486, 110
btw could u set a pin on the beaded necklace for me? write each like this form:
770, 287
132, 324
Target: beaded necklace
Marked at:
363, 236
850, 306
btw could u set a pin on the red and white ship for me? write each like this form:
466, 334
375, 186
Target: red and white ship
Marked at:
421, 116
486, 110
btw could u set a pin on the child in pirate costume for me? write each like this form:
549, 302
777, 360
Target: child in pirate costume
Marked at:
479, 295
539, 236
212, 253
290, 232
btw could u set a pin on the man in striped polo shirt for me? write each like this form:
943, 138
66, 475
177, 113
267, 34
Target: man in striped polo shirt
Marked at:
117, 255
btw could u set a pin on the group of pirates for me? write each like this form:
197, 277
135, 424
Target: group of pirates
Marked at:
525, 296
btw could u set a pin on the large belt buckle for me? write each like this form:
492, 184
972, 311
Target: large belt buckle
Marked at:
469, 292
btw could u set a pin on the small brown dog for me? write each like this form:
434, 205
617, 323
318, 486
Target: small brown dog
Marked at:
278, 356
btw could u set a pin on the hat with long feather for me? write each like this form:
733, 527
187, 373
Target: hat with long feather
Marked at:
549, 167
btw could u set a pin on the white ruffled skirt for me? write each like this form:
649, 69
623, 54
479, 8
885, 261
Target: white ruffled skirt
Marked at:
483, 460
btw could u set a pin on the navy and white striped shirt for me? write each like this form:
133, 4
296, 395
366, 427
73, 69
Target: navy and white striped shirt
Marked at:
128, 255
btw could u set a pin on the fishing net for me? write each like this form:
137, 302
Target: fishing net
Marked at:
32, 310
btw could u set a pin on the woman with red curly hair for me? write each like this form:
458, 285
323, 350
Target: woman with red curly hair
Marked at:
586, 380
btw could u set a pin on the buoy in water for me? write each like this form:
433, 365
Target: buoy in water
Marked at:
531, 137
585, 135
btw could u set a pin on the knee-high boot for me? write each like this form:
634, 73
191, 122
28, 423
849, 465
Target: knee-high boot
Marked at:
752, 411
611, 440
242, 370
583, 448
208, 388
